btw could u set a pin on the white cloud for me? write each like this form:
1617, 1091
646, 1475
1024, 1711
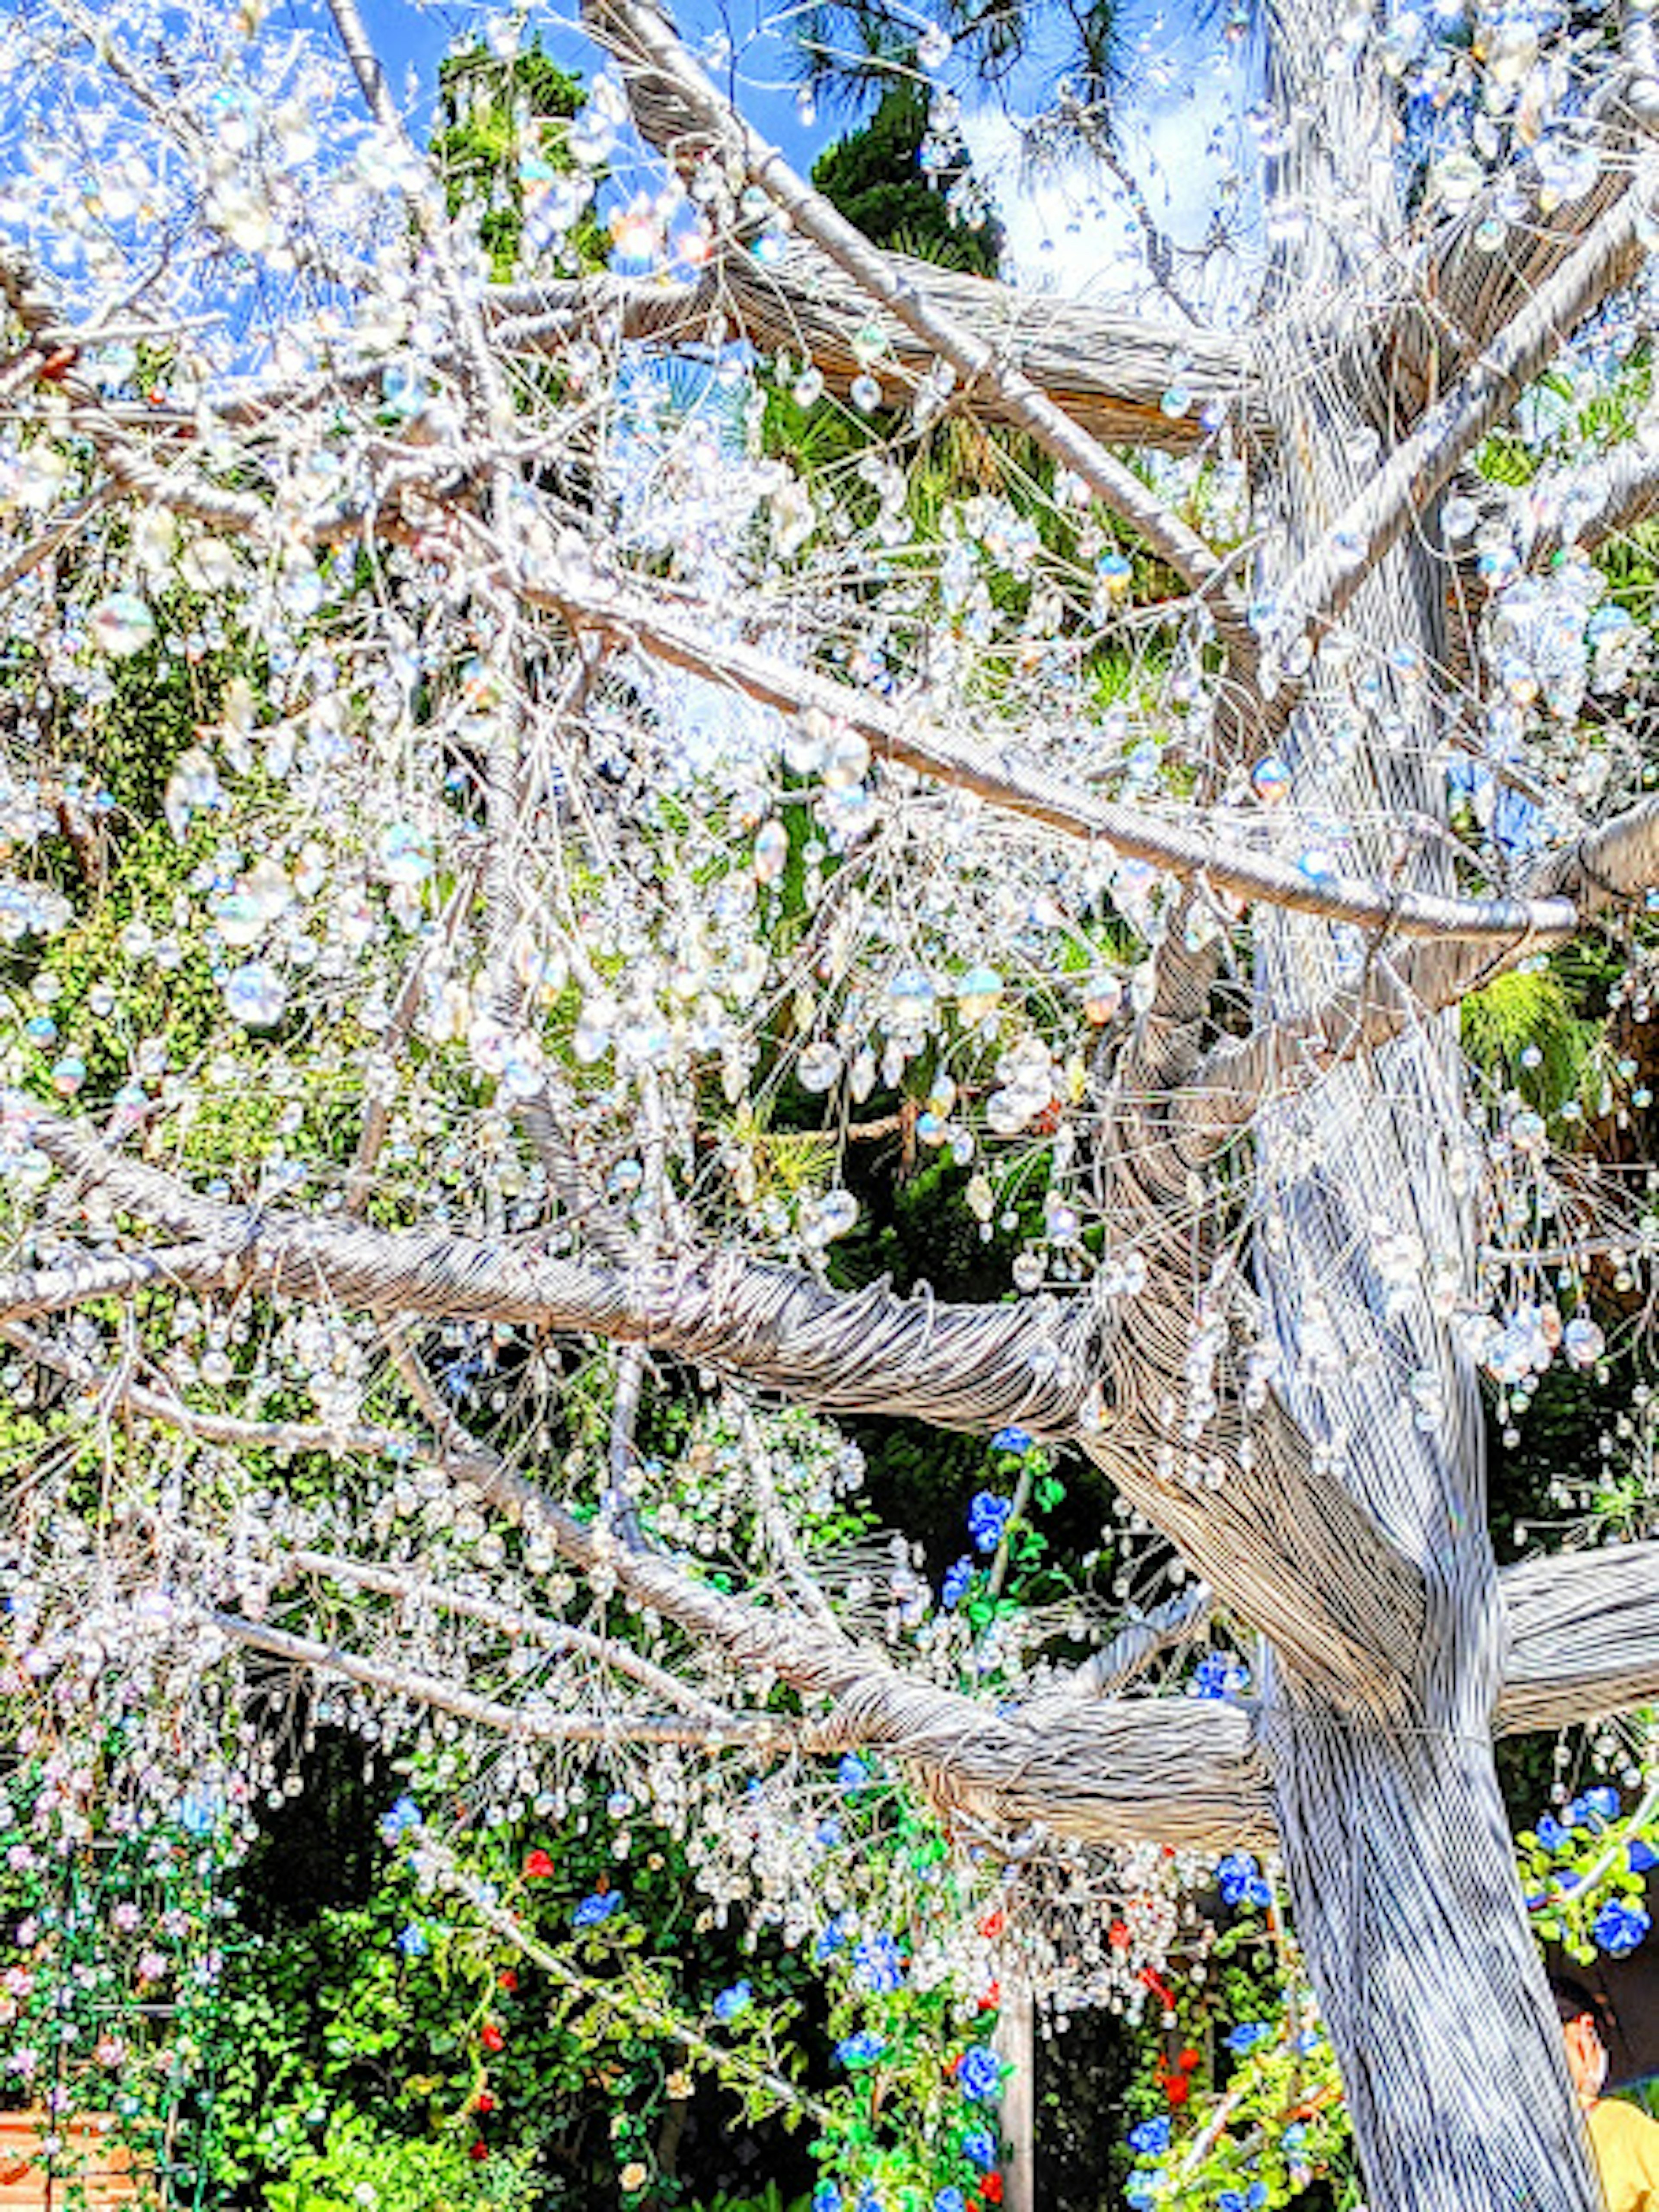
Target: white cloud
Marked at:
1072, 229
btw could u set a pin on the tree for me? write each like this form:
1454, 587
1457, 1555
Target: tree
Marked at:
873, 176
569, 781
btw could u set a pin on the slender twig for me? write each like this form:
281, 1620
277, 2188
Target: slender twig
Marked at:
619, 1995
525, 1722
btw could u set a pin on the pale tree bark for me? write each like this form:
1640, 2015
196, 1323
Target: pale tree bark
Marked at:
1108, 371
1401, 1870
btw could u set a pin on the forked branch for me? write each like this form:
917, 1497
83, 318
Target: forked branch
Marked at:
670, 83
1607, 871
1327, 577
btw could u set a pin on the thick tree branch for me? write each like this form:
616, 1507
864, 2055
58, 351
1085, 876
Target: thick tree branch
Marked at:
1330, 573
26, 1295
969, 1367
1583, 1638
671, 94
1290, 1550
1466, 291
1108, 371
1607, 871
1182, 1771
1584, 1641
1603, 499
683, 636
1177, 1621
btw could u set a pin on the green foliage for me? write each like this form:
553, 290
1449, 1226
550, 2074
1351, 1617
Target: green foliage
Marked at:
113, 1944
397, 2029
771, 2199
1528, 1029
872, 177
1574, 1867
501, 142
355, 2169
851, 51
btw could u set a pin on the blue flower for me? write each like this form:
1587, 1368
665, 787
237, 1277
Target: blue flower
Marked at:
1011, 1440
870, 2199
197, 1814
1621, 1926
1294, 2137
405, 1816
988, 1516
828, 1834
878, 1966
1604, 1800
826, 2198
1256, 2196
1641, 1855
980, 2075
831, 1936
860, 2050
853, 1772
980, 2148
598, 1907
1550, 1833
950, 2200
1141, 2188
730, 2003
1151, 2135
1230, 2200
954, 1587
412, 1941
1247, 2035
1241, 1881
1220, 1675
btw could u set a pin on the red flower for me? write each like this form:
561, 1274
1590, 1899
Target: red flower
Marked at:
485, 2101
507, 1980
992, 1998
991, 2189
479, 2150
492, 2037
1150, 1980
990, 1926
1188, 2060
539, 1866
1118, 1935
1178, 2090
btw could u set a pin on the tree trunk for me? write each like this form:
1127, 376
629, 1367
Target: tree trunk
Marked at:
1402, 1874
1400, 1865
1014, 2042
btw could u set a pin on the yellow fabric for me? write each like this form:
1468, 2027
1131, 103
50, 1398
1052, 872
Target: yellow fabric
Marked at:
1627, 2147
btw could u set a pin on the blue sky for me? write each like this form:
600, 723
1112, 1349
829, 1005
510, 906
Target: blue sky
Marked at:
1071, 231
409, 37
